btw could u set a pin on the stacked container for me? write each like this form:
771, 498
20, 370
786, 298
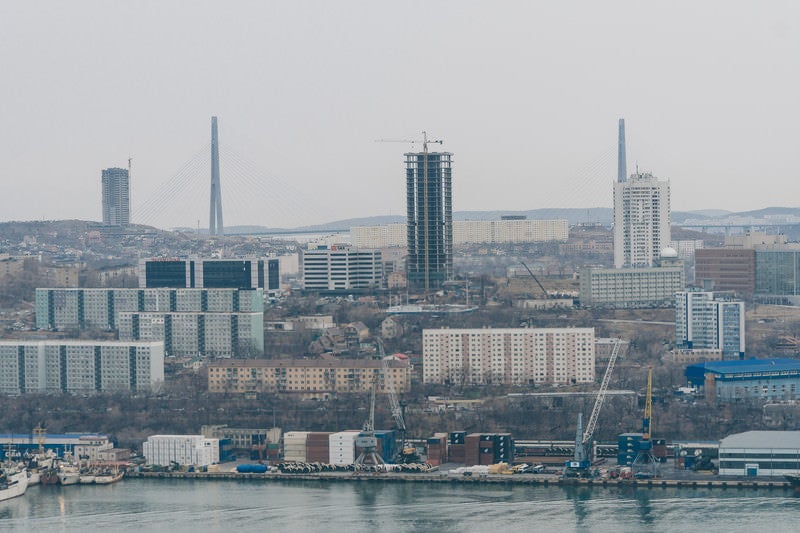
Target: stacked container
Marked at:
342, 447
487, 449
318, 447
294, 446
456, 446
437, 449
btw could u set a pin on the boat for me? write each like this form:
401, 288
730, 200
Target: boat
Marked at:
794, 479
107, 476
87, 478
13, 482
69, 475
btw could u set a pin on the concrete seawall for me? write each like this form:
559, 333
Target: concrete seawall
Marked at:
440, 477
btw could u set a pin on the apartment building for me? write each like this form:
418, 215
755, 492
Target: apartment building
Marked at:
98, 308
317, 378
341, 268
192, 333
508, 356
80, 366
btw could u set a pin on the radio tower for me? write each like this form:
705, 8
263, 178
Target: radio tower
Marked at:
215, 215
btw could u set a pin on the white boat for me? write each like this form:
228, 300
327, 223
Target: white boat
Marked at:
13, 482
87, 478
69, 475
34, 478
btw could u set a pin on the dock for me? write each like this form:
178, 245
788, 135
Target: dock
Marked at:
495, 479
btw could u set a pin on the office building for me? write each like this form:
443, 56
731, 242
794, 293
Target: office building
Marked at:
508, 356
641, 220
80, 366
632, 288
63, 309
746, 380
778, 275
703, 322
210, 273
726, 269
116, 197
196, 333
341, 268
429, 206
308, 378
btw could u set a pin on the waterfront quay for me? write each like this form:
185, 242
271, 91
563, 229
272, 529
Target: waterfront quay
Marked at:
496, 479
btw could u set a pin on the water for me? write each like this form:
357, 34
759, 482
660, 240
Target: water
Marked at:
354, 507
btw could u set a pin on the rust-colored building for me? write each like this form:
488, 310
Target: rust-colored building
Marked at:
729, 269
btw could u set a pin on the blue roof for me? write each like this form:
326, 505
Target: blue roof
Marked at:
747, 365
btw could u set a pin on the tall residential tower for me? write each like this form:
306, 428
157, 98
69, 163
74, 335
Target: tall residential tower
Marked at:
429, 198
641, 221
116, 197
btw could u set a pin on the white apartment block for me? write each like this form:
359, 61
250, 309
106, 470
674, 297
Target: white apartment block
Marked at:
384, 236
340, 267
641, 220
468, 232
508, 356
78, 366
191, 334
194, 450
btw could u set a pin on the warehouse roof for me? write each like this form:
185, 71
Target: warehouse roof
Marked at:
745, 368
763, 439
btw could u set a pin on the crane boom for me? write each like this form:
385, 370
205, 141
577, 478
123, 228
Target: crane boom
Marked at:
546, 294
394, 403
647, 419
601, 394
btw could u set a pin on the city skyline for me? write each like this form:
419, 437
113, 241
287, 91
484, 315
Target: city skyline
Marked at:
528, 96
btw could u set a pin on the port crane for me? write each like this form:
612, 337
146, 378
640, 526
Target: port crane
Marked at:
644, 460
367, 440
424, 200
581, 462
406, 454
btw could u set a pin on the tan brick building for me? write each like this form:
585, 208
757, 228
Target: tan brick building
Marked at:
317, 378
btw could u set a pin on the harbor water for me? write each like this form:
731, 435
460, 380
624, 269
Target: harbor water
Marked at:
353, 507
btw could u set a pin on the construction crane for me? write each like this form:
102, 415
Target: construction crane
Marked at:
546, 294
581, 462
424, 201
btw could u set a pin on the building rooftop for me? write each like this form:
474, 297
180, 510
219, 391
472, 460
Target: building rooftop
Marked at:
763, 439
748, 366
306, 363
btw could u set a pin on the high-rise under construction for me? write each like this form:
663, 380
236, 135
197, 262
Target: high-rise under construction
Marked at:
429, 197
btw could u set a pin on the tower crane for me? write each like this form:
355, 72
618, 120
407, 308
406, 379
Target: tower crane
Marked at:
424, 200
581, 462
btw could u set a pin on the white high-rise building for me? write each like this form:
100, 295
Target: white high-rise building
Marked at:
341, 267
508, 356
641, 220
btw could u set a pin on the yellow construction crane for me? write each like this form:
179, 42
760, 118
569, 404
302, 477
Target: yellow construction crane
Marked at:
424, 201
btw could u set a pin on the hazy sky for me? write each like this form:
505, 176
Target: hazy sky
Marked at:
525, 94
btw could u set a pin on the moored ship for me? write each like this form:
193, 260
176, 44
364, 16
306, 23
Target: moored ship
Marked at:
13, 482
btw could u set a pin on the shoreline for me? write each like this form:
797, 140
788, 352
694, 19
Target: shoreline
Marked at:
498, 479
